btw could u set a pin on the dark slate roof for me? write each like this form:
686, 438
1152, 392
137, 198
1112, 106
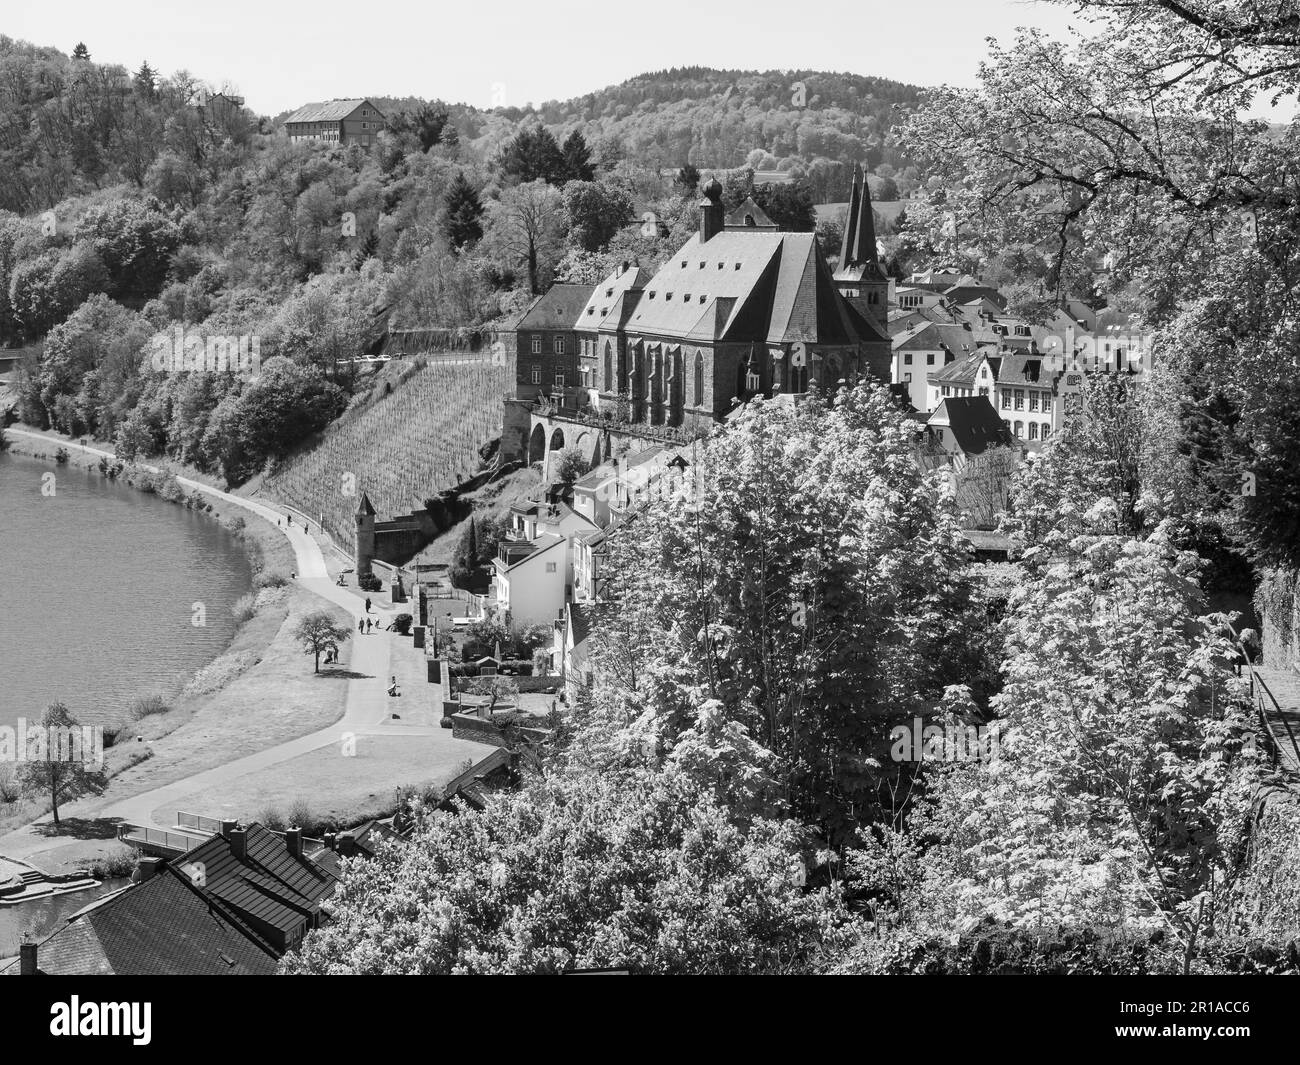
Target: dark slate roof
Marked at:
974, 423
962, 371
268, 885
755, 285
163, 927
749, 215
329, 111
1013, 367
558, 308
934, 336
606, 305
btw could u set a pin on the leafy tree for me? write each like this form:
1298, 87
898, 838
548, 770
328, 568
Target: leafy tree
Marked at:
806, 580
318, 633
81, 52
425, 124
631, 868
1272, 513
462, 213
596, 212
51, 770
571, 466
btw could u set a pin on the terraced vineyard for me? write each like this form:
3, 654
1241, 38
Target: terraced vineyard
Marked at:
400, 448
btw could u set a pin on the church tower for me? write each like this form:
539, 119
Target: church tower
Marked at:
859, 276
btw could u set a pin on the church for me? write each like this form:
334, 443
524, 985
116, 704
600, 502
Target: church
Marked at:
743, 309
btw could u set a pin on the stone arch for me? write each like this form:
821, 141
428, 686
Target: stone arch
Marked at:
699, 379
588, 446
557, 439
537, 444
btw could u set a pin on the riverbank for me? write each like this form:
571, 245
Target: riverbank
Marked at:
253, 695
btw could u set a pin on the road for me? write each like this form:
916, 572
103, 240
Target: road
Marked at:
367, 709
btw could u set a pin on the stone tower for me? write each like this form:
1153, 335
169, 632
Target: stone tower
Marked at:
859, 276
365, 536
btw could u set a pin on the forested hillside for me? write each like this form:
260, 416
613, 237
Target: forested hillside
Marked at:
134, 205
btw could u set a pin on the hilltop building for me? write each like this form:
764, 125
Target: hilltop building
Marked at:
336, 122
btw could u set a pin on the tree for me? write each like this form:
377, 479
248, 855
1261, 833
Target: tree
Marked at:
81, 52
628, 868
462, 213
533, 155
145, 80
425, 125
465, 560
688, 178
577, 159
799, 590
571, 466
527, 226
318, 633
60, 762
596, 212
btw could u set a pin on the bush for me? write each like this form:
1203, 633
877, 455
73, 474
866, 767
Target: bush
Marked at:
402, 624
270, 818
148, 706
370, 583
245, 607
302, 816
121, 862
10, 789
270, 579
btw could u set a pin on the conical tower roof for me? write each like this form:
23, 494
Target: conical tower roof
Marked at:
365, 508
858, 248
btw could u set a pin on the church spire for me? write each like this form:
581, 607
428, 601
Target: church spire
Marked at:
858, 247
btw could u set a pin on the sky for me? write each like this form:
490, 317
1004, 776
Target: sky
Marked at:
279, 55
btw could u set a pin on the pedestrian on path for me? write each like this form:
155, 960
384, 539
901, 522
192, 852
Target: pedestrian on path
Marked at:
361, 625
367, 604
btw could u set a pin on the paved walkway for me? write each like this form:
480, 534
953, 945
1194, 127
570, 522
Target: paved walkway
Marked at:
368, 706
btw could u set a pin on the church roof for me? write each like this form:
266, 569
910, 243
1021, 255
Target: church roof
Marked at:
606, 303
750, 284
558, 308
749, 215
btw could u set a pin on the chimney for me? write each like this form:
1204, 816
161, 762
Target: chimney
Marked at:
145, 869
293, 841
711, 213
626, 266
27, 956
228, 827
331, 841
239, 842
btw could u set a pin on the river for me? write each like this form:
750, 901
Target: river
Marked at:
105, 592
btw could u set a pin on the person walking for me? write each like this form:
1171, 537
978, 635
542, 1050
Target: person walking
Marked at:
367, 604
361, 625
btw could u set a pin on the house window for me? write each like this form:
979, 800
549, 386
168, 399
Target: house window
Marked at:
929, 358
1033, 430
983, 391
537, 375
907, 378
1033, 400
1046, 429
537, 345
1020, 430
559, 345
907, 358
1020, 400
1006, 399
550, 567
559, 380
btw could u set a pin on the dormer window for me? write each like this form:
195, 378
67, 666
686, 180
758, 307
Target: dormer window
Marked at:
721, 265
668, 295
608, 293
652, 295
701, 297
687, 298
737, 266
701, 266
683, 264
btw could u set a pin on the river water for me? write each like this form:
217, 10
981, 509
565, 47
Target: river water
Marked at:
101, 587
